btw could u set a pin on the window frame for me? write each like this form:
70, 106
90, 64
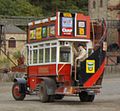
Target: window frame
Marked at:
12, 42
69, 61
94, 4
43, 46
101, 3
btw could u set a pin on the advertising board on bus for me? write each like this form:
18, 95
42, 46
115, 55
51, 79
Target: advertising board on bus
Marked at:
63, 25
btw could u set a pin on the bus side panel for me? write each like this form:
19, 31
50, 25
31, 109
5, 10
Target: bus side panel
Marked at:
65, 71
34, 72
33, 82
42, 70
92, 77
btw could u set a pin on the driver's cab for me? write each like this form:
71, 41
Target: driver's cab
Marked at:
67, 53
66, 56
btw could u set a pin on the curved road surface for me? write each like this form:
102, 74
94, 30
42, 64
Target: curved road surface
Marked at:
107, 100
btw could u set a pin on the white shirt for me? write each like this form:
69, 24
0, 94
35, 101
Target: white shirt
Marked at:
81, 54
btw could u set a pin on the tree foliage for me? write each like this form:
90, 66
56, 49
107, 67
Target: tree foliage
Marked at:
19, 8
41, 7
51, 6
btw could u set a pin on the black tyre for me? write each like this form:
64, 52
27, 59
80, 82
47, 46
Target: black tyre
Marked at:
59, 97
51, 98
43, 93
85, 97
17, 93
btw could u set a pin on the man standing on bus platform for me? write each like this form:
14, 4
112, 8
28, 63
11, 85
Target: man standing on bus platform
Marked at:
80, 54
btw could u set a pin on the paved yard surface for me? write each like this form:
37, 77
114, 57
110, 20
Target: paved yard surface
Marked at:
107, 100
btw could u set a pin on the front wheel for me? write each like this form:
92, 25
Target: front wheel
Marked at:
17, 93
85, 97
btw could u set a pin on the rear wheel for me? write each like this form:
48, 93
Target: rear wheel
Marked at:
85, 97
43, 93
59, 97
17, 93
51, 98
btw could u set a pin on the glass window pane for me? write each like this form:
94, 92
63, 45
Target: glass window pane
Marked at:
64, 54
12, 43
47, 55
30, 57
35, 46
47, 44
34, 56
53, 54
40, 55
41, 45
94, 4
54, 43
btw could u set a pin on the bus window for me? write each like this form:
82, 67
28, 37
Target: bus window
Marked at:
65, 54
53, 54
54, 43
47, 55
34, 56
40, 55
47, 44
30, 59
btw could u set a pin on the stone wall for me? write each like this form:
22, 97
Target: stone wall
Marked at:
112, 71
105, 11
98, 12
108, 13
112, 13
8, 77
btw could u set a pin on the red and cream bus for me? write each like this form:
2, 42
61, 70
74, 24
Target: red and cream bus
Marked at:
52, 71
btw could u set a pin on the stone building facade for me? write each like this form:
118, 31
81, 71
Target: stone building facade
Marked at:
15, 40
109, 10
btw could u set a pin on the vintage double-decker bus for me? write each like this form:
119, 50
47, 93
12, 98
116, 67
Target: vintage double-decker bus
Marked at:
52, 68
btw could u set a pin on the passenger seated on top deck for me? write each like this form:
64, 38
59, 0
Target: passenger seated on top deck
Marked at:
81, 54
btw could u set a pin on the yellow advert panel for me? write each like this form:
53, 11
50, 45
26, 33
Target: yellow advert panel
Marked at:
90, 66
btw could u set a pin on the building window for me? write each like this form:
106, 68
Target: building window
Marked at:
94, 4
12, 43
101, 3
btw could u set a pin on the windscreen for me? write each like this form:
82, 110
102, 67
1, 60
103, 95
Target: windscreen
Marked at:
65, 54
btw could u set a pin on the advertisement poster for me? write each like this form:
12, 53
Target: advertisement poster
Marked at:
81, 28
32, 34
90, 66
44, 32
67, 26
81, 31
48, 31
67, 22
52, 31
38, 33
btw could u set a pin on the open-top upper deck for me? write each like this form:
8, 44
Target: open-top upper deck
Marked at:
63, 26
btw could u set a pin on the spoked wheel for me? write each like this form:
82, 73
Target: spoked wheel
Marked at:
85, 97
16, 92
